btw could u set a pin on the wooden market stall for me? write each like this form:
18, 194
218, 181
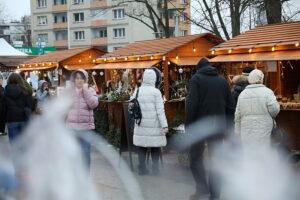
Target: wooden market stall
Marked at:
56, 66
275, 50
176, 57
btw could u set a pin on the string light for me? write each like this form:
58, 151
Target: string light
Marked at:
169, 63
164, 58
36, 64
90, 56
273, 48
230, 51
177, 57
151, 57
250, 50
79, 60
94, 60
126, 58
138, 58
105, 59
43, 64
194, 49
297, 44
213, 52
114, 58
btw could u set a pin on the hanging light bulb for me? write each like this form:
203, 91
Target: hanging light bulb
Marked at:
36, 64
79, 60
180, 70
43, 64
164, 58
169, 63
105, 59
126, 58
114, 58
94, 73
138, 58
273, 48
213, 52
177, 57
151, 57
250, 50
90, 56
230, 51
194, 49
297, 44
101, 73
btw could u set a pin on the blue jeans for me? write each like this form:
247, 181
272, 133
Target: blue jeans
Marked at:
85, 147
14, 130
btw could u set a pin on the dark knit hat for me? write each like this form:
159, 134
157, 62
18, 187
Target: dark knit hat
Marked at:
247, 70
158, 76
202, 63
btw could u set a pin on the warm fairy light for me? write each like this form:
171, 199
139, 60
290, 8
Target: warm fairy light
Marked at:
138, 58
273, 48
151, 57
126, 58
90, 56
66, 66
250, 50
164, 58
213, 52
230, 51
36, 64
194, 49
297, 44
114, 58
169, 63
43, 64
30, 66
94, 60
177, 57
79, 60
105, 59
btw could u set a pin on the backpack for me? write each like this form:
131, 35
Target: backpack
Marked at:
135, 110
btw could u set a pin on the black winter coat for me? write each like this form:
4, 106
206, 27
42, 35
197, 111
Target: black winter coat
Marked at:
208, 95
14, 104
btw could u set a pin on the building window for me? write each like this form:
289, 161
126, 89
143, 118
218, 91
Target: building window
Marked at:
43, 37
119, 33
103, 33
184, 33
183, 17
119, 14
42, 3
60, 2
79, 17
77, 1
79, 35
42, 20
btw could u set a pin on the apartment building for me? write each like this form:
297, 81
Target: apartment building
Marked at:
92, 23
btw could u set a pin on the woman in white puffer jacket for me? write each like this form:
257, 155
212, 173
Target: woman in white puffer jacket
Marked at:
151, 132
256, 108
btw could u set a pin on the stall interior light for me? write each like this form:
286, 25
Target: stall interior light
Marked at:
138, 58
297, 44
94, 60
250, 50
36, 64
126, 58
177, 57
273, 48
213, 52
194, 49
43, 64
90, 56
164, 58
151, 57
230, 51
79, 60
114, 58
169, 63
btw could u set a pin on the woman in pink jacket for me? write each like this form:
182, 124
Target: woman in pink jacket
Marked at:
81, 115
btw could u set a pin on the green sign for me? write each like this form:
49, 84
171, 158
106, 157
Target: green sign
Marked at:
34, 50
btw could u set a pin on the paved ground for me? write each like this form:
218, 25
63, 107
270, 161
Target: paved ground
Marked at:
174, 183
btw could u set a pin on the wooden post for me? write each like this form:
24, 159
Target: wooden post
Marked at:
278, 79
166, 79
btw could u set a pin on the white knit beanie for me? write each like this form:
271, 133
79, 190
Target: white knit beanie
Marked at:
256, 77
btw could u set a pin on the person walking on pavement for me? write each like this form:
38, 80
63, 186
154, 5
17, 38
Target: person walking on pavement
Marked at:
43, 93
208, 96
17, 107
2, 124
256, 108
240, 83
81, 117
151, 132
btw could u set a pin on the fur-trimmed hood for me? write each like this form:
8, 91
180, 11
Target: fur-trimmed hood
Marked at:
239, 79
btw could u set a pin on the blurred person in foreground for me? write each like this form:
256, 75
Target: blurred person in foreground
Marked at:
81, 116
208, 96
152, 130
240, 82
256, 108
17, 107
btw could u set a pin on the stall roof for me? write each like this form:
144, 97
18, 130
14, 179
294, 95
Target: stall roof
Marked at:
186, 61
7, 50
60, 55
261, 56
158, 46
264, 36
127, 65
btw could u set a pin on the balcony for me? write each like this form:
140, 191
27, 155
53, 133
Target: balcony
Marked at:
61, 43
97, 23
60, 25
99, 41
98, 4
59, 8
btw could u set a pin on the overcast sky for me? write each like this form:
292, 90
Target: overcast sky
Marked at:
15, 9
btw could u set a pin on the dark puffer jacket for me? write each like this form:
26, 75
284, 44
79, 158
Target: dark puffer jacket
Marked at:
240, 83
14, 103
208, 95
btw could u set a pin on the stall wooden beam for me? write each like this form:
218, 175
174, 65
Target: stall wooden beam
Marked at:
166, 79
